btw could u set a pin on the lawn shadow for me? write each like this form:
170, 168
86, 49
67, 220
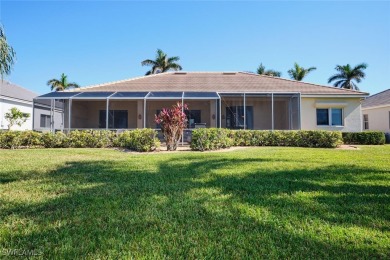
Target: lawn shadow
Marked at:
171, 212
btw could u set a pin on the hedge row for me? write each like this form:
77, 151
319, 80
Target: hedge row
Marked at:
368, 137
210, 138
141, 140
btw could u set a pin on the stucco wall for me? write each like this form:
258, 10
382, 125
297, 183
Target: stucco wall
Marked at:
378, 118
204, 105
85, 113
351, 112
6, 105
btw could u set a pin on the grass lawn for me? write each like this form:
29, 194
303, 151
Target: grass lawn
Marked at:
249, 203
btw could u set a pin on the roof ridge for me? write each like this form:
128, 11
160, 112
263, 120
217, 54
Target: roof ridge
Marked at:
11, 83
291, 80
115, 82
379, 93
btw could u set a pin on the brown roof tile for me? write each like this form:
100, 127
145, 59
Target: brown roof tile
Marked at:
219, 82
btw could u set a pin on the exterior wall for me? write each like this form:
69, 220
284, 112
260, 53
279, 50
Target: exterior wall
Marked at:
285, 116
351, 112
24, 106
85, 113
207, 107
378, 118
58, 118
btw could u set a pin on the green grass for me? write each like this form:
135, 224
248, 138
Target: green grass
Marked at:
249, 203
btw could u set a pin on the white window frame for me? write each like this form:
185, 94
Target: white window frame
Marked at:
330, 117
366, 121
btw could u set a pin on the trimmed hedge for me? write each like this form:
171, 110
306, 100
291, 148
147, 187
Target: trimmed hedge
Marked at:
208, 139
368, 138
139, 140
204, 139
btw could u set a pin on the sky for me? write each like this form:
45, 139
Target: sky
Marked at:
95, 42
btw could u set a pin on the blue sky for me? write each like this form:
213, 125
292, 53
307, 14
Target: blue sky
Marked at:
95, 42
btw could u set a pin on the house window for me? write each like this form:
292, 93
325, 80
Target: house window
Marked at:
329, 116
365, 122
322, 116
117, 119
193, 117
45, 121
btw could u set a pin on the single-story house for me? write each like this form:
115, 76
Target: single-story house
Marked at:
12, 95
376, 112
235, 100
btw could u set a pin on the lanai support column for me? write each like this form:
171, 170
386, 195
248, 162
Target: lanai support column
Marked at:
220, 111
33, 114
69, 114
244, 111
272, 111
107, 112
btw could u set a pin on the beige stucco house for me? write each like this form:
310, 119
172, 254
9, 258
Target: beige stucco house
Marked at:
235, 100
376, 112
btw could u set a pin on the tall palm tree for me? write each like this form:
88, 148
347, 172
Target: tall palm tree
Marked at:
298, 73
7, 55
61, 84
261, 71
162, 63
346, 76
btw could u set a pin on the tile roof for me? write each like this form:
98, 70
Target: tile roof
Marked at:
219, 82
11, 90
379, 99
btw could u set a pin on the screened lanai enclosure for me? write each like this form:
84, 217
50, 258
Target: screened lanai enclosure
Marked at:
130, 110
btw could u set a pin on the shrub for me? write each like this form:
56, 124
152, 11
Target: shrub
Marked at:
57, 140
368, 138
211, 139
90, 139
207, 139
140, 140
172, 121
10, 140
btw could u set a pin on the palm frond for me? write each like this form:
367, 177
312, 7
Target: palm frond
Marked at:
73, 85
173, 59
162, 63
335, 77
148, 63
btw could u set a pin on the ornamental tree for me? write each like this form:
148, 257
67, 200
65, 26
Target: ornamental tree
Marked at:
16, 117
172, 122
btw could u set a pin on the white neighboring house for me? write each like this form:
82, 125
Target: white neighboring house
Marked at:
12, 95
376, 112
44, 114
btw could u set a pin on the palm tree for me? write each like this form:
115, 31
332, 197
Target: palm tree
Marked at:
261, 71
347, 74
61, 84
7, 55
298, 73
162, 63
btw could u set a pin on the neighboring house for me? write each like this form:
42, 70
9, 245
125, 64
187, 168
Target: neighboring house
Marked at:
12, 95
235, 100
376, 112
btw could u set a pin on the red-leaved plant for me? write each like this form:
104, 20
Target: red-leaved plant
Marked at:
172, 122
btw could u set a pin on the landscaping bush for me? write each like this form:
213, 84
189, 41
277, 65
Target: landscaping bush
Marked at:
57, 140
10, 140
211, 139
208, 139
368, 138
140, 140
90, 139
